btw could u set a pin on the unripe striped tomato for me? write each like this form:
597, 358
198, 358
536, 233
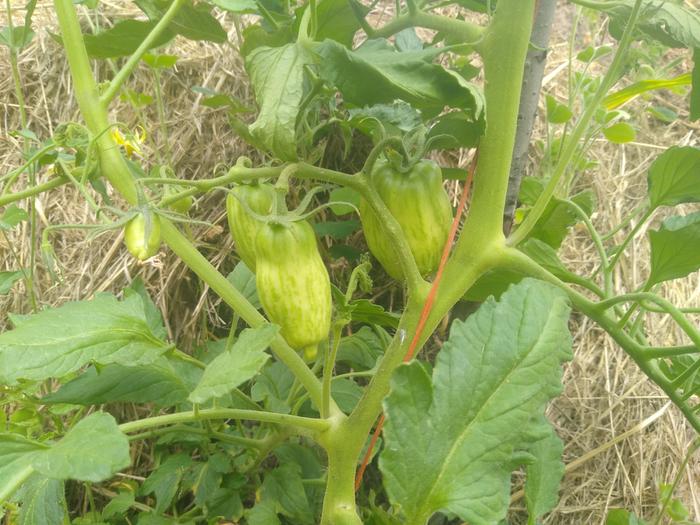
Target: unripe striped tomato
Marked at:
419, 203
244, 228
293, 284
142, 235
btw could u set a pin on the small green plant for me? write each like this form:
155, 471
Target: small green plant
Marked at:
271, 422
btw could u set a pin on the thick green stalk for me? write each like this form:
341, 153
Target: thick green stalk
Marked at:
339, 499
306, 423
87, 95
504, 49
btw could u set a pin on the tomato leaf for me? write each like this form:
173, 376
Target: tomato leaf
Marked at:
337, 21
544, 473
674, 177
235, 366
675, 248
277, 75
42, 500
164, 481
670, 23
58, 341
377, 73
241, 7
456, 129
93, 450
452, 440
192, 22
159, 383
123, 38
16, 454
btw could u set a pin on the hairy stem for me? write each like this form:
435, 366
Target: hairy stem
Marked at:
306, 423
503, 50
32, 191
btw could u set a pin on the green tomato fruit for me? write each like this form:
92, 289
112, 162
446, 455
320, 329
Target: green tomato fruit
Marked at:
181, 205
419, 203
142, 235
244, 227
293, 284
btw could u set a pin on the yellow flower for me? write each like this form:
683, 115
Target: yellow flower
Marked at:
131, 142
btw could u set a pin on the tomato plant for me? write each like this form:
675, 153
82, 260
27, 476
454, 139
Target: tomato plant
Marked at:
317, 377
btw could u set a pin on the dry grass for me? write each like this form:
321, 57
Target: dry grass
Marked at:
605, 394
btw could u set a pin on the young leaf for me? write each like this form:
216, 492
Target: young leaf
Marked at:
675, 248
235, 366
165, 480
674, 177
450, 441
118, 505
7, 279
557, 113
346, 393
620, 133
150, 310
22, 35
623, 517
395, 118
272, 387
58, 341
277, 75
263, 513
338, 199
42, 501
336, 229
11, 217
558, 217
93, 450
